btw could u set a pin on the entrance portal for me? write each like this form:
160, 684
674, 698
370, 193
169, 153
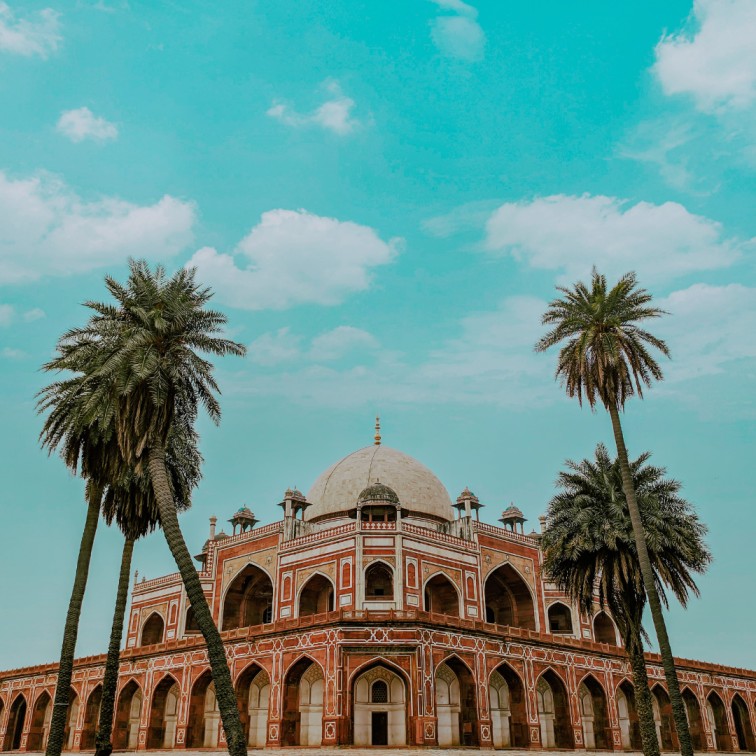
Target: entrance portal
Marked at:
379, 728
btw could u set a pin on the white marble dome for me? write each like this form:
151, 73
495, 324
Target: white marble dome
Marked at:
336, 491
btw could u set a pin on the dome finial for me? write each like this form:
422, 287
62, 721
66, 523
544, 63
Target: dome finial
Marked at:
377, 441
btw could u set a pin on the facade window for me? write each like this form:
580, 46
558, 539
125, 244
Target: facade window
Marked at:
379, 693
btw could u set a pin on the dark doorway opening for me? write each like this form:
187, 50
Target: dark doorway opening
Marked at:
380, 728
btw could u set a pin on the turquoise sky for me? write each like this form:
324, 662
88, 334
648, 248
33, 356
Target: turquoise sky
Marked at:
383, 196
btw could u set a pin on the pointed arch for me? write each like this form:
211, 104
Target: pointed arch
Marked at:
72, 717
509, 599
441, 595
15, 725
742, 720
594, 714
718, 723
560, 618
456, 703
91, 719
379, 694
152, 630
693, 710
627, 713
664, 718
163, 716
204, 717
40, 722
248, 598
604, 629
316, 595
302, 721
379, 581
127, 715
253, 694
509, 717
554, 710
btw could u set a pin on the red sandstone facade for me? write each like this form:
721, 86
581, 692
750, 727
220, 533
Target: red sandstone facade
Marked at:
381, 617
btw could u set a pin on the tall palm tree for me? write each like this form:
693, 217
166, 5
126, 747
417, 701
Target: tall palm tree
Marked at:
606, 358
130, 502
149, 342
590, 551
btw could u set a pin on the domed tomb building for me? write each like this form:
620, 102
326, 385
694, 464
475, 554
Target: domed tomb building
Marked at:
377, 612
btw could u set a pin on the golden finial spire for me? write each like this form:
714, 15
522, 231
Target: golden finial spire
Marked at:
377, 441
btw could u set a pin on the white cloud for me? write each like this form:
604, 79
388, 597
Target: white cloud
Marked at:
571, 234
49, 230
458, 35
34, 314
335, 114
28, 37
13, 354
7, 315
332, 345
708, 329
82, 123
295, 257
275, 348
716, 63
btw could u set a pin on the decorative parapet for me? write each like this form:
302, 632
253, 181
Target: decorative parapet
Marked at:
435, 535
318, 536
148, 585
507, 535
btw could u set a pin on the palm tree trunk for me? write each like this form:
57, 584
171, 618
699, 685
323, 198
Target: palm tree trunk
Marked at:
668, 662
103, 744
224, 689
71, 630
634, 648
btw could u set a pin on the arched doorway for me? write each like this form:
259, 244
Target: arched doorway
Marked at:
249, 599
128, 711
594, 715
717, 714
152, 630
604, 630
40, 723
91, 720
743, 729
441, 597
15, 727
379, 582
204, 716
456, 706
316, 596
693, 710
554, 711
69, 732
161, 732
379, 708
190, 623
303, 705
627, 713
663, 719
508, 599
253, 694
509, 722
560, 619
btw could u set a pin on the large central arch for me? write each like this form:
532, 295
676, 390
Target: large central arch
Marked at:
508, 599
379, 707
456, 704
249, 599
509, 721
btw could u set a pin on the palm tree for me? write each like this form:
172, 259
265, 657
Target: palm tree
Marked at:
130, 502
149, 342
590, 551
606, 358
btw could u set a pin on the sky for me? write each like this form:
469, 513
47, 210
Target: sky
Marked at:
383, 197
